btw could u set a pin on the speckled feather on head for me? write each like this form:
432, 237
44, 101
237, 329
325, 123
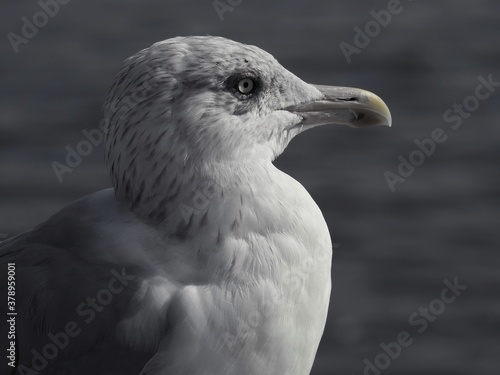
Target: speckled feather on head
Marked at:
171, 110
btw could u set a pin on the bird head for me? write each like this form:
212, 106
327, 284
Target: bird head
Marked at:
192, 101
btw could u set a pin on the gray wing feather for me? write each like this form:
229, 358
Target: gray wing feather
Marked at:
68, 304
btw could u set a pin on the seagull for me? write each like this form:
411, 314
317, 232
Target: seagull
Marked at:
203, 258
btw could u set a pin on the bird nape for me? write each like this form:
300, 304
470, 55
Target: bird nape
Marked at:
203, 258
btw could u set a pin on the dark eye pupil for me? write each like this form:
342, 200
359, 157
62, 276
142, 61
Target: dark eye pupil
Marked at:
244, 86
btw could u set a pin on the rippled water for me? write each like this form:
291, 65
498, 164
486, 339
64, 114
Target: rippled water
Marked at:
397, 248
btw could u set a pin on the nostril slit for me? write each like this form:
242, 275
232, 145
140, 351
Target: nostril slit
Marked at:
352, 99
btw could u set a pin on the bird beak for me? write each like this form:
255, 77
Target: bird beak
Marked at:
343, 106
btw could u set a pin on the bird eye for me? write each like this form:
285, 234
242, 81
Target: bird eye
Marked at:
246, 86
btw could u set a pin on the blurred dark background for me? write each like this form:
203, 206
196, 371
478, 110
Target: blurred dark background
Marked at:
396, 248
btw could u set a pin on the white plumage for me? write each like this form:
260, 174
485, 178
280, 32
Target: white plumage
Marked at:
204, 258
